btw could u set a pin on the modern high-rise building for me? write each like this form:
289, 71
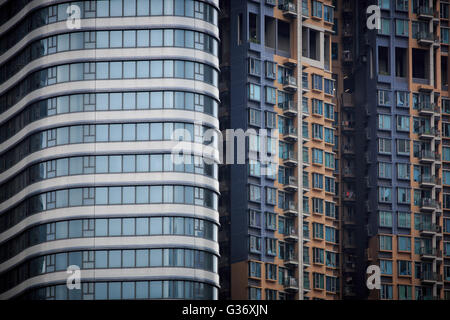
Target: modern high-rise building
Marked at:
394, 95
94, 97
366, 180
280, 228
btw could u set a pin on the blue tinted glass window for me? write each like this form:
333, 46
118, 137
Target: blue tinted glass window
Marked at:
115, 227
100, 291
156, 68
143, 8
115, 259
101, 227
102, 71
156, 38
143, 69
128, 258
142, 225
155, 194
156, 7
142, 290
155, 257
114, 290
141, 195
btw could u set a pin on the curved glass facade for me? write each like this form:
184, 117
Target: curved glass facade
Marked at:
87, 167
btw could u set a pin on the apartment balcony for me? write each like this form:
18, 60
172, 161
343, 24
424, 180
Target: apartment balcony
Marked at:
349, 221
347, 56
429, 181
429, 277
348, 149
349, 267
289, 108
347, 100
290, 83
347, 31
425, 12
349, 196
429, 253
291, 284
291, 260
291, 235
427, 133
291, 159
426, 38
349, 246
428, 156
290, 134
429, 229
348, 126
291, 184
428, 205
289, 9
348, 173
291, 209
425, 108
348, 8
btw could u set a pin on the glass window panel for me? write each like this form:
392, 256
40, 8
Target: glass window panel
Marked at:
143, 132
115, 195
155, 257
142, 225
156, 38
143, 100
155, 226
156, 100
156, 7
141, 195
155, 194
143, 38
143, 8
141, 258
115, 227
143, 69
156, 69
128, 195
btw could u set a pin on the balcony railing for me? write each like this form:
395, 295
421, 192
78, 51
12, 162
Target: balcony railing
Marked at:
429, 276
429, 180
348, 56
430, 252
291, 184
291, 284
290, 158
426, 37
291, 259
289, 108
289, 9
348, 125
428, 155
428, 203
347, 99
429, 228
349, 195
348, 172
425, 12
291, 234
290, 83
348, 148
291, 209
